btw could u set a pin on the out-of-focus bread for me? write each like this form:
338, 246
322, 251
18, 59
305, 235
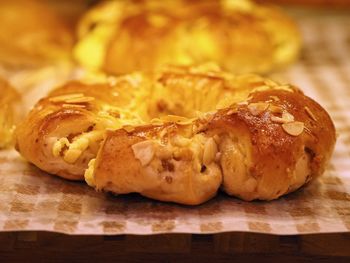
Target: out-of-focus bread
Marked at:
32, 34
124, 36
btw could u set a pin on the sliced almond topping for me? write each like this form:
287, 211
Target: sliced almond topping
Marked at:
157, 121
307, 130
143, 151
163, 133
276, 119
287, 117
66, 97
275, 109
72, 106
204, 116
80, 100
231, 111
210, 150
262, 88
128, 128
257, 108
293, 128
270, 83
285, 87
275, 98
312, 116
177, 119
180, 141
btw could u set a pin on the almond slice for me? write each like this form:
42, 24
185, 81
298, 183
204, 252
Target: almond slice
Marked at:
275, 109
312, 116
62, 98
80, 100
275, 98
143, 151
287, 117
210, 150
276, 119
257, 108
293, 128
180, 141
270, 83
128, 128
72, 106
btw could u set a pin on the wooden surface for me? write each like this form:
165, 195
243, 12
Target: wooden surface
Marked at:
314, 3
226, 247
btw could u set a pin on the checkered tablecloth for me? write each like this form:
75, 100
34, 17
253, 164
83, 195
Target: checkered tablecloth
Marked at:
33, 200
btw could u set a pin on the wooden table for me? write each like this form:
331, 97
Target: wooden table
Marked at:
225, 247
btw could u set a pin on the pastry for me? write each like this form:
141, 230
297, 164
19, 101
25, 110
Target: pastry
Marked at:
180, 134
123, 36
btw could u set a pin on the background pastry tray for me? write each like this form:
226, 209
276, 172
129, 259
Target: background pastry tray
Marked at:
33, 200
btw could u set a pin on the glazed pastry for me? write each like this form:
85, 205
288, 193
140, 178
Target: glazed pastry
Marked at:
180, 134
10, 112
124, 36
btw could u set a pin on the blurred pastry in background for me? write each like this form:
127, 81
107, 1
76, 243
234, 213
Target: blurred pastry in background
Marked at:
124, 36
10, 112
32, 34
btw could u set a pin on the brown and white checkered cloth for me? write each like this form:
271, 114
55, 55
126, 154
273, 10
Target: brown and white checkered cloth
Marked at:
33, 200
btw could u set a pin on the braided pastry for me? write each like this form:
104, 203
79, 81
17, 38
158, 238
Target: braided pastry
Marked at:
124, 36
180, 134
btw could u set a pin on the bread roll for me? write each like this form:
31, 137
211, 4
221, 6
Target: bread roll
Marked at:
124, 36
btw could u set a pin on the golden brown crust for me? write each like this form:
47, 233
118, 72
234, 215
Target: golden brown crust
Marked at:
254, 138
274, 152
56, 117
238, 35
172, 179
